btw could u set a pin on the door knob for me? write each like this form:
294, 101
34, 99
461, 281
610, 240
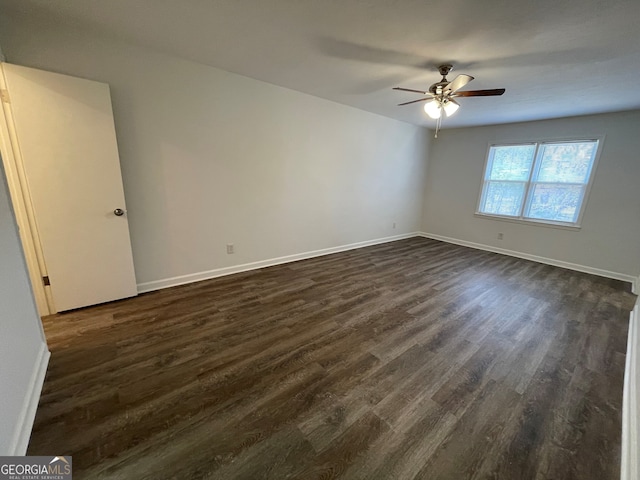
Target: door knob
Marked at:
118, 212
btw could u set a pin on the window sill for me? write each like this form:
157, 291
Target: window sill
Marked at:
535, 223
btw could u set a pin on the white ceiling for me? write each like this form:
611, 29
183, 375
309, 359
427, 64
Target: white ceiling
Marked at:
556, 58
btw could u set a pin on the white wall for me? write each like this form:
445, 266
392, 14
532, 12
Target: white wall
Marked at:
211, 158
610, 235
23, 351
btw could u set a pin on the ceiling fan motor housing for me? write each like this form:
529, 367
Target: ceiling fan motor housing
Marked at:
437, 87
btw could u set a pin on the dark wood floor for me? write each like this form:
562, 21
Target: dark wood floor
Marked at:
409, 360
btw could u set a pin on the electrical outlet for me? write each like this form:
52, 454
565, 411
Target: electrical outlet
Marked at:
230, 248
500, 236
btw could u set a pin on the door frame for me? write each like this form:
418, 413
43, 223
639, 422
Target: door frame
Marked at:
22, 205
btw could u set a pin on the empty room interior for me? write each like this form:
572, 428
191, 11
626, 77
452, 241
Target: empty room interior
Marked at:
285, 239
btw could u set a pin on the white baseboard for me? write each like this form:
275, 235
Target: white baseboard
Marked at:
635, 286
535, 258
630, 465
27, 416
220, 272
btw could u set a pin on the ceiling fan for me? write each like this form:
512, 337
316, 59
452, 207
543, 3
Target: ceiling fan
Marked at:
441, 95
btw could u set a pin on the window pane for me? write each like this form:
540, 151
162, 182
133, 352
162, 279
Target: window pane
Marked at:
555, 202
511, 162
503, 198
566, 162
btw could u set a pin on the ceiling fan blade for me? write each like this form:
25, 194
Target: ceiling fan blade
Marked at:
410, 90
480, 93
414, 101
457, 83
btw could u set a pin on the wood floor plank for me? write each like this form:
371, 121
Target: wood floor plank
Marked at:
354, 441
464, 450
413, 359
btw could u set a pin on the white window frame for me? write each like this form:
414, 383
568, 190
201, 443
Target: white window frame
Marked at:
527, 198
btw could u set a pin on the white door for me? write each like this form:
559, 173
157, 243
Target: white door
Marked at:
67, 142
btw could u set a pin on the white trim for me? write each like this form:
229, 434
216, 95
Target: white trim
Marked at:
528, 221
220, 272
635, 286
28, 414
21, 200
549, 261
630, 465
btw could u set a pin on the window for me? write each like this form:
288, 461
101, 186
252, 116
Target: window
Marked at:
540, 182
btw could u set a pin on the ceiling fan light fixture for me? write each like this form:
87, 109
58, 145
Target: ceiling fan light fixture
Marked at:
433, 109
450, 107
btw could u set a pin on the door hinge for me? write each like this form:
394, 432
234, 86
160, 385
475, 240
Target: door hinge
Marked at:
45, 281
4, 96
